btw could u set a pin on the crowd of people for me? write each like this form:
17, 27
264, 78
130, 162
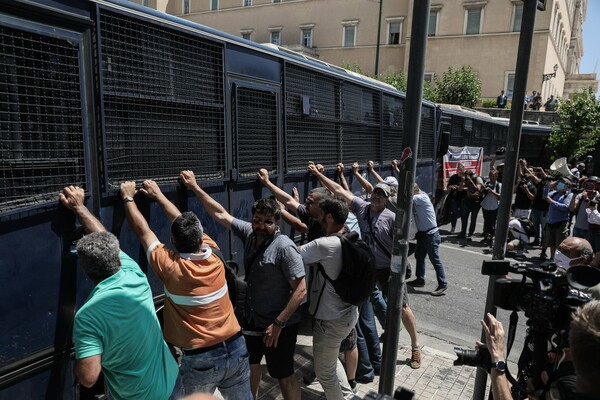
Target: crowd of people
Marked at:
203, 347
533, 102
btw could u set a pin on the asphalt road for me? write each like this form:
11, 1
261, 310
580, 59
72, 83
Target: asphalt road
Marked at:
454, 318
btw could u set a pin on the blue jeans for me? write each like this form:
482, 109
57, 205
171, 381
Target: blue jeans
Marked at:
367, 341
225, 368
538, 218
429, 245
379, 305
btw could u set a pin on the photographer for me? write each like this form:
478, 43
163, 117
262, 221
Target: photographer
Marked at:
580, 203
584, 350
489, 206
471, 204
524, 191
457, 194
557, 228
539, 208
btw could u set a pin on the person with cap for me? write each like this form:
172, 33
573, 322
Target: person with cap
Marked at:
428, 241
557, 225
376, 224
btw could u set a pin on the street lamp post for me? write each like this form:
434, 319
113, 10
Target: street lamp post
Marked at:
547, 77
378, 39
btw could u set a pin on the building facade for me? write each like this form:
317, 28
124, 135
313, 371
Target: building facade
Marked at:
481, 33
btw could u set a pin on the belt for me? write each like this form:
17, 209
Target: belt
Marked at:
201, 350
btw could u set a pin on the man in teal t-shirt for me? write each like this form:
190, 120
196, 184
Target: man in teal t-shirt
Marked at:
116, 330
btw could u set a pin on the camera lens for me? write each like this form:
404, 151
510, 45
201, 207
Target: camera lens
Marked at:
466, 357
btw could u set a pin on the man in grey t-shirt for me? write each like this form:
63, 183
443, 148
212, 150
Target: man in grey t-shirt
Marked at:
276, 287
376, 226
333, 318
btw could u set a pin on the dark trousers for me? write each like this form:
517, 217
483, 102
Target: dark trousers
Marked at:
469, 208
489, 222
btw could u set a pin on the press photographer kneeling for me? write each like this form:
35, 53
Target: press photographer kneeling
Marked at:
562, 346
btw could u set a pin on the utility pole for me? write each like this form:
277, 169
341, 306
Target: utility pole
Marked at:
510, 164
407, 164
378, 39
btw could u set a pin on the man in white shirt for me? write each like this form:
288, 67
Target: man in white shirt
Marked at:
333, 318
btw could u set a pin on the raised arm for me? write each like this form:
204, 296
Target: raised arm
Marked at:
363, 182
371, 168
72, 197
341, 177
286, 199
291, 219
152, 190
211, 206
136, 220
395, 167
333, 187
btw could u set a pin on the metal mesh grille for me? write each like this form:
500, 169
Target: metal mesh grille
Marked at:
359, 143
163, 101
360, 104
393, 127
40, 118
317, 134
426, 136
256, 128
457, 136
360, 123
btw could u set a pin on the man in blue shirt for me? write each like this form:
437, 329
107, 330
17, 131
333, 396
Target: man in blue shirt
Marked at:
428, 241
557, 227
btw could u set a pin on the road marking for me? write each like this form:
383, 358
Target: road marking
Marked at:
465, 250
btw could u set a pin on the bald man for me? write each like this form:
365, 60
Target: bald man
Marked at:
573, 251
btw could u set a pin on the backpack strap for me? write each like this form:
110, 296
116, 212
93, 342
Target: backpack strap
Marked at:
327, 278
377, 242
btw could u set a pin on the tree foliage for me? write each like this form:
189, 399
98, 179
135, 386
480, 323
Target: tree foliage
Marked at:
459, 86
576, 134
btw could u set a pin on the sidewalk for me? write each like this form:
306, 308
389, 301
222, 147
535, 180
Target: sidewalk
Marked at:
436, 379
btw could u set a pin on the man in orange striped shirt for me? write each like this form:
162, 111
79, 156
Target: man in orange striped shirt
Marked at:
198, 315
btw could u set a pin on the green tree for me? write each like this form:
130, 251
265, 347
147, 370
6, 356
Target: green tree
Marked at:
396, 79
576, 134
458, 86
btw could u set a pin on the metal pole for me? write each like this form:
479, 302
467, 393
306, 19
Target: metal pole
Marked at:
408, 164
510, 164
378, 39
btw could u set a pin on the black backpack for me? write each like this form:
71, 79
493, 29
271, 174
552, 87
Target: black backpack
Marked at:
236, 286
356, 281
528, 228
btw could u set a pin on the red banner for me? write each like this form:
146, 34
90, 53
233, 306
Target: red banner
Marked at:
470, 157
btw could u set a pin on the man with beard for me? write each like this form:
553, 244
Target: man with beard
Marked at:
307, 212
333, 317
276, 287
376, 224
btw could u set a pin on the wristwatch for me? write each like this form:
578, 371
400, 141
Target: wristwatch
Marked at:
279, 323
127, 199
500, 365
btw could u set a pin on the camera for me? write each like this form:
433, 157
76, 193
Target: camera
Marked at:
469, 173
523, 181
479, 357
547, 295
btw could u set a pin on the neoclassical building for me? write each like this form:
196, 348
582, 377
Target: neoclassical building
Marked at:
481, 33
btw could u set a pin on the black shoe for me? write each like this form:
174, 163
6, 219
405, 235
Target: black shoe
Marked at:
460, 236
363, 379
408, 272
543, 257
309, 377
439, 291
416, 283
535, 243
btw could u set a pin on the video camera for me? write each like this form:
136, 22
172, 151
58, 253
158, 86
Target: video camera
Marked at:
548, 295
